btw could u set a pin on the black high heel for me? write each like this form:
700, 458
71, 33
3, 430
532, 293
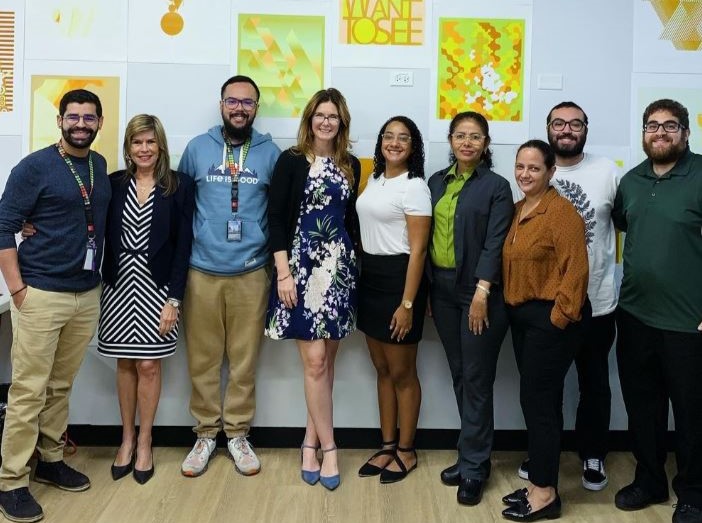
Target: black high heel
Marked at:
142, 476
392, 476
368, 469
119, 471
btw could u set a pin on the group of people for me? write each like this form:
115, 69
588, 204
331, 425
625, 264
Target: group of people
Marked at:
197, 243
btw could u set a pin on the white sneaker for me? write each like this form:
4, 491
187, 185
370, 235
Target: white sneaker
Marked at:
195, 463
245, 459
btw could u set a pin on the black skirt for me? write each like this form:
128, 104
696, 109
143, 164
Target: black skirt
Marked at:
380, 292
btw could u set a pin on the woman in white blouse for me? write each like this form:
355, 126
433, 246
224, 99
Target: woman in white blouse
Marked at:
394, 212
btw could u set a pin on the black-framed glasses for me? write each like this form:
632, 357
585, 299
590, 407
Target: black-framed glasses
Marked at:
576, 124
460, 138
88, 119
247, 103
391, 137
669, 126
333, 119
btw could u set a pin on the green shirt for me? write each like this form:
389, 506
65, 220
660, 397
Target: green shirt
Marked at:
441, 249
662, 217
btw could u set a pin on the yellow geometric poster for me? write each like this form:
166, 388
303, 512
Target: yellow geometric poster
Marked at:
382, 22
46, 93
481, 68
7, 61
682, 22
285, 55
366, 170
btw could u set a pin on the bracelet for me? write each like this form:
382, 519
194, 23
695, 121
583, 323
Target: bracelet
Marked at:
284, 277
18, 291
484, 289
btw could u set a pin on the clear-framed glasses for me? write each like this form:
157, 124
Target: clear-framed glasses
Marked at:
576, 124
391, 137
669, 126
333, 119
247, 103
460, 138
88, 119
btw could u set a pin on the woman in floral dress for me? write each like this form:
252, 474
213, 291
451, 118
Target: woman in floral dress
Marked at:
313, 228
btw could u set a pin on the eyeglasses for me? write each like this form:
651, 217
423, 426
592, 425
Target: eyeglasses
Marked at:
669, 126
88, 119
246, 103
460, 138
390, 137
333, 119
576, 125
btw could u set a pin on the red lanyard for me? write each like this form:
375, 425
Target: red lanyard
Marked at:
83, 192
234, 168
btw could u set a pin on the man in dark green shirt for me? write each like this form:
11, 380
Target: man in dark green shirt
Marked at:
659, 347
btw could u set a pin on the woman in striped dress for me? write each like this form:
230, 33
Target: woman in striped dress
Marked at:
147, 249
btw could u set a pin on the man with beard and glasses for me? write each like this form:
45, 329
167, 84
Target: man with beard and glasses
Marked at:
54, 282
229, 278
590, 183
659, 345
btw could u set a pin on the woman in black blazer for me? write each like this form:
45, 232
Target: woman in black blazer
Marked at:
147, 251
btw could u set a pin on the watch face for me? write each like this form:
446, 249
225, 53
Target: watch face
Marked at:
407, 304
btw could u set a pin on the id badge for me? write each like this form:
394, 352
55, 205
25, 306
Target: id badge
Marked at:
234, 230
90, 254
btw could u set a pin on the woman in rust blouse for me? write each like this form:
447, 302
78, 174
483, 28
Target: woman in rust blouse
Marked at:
545, 273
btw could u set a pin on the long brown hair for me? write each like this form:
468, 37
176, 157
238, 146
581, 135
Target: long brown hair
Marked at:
342, 142
164, 176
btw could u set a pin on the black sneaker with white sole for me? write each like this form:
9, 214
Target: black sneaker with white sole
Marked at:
61, 475
594, 477
19, 505
523, 471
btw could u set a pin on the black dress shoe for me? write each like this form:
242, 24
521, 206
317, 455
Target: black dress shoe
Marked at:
451, 476
119, 471
522, 511
142, 476
470, 491
515, 497
633, 497
685, 513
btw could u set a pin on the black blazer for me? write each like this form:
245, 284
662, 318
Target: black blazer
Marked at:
170, 237
285, 199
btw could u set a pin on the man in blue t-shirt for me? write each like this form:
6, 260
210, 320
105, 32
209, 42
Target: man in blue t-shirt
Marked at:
54, 282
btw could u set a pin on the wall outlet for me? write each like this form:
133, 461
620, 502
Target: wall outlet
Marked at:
402, 78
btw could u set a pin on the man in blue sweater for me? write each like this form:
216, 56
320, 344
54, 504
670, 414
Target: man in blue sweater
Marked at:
54, 282
229, 279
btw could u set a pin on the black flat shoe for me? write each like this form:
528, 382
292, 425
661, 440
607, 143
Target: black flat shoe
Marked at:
142, 476
451, 476
521, 511
392, 476
515, 497
119, 471
470, 491
368, 469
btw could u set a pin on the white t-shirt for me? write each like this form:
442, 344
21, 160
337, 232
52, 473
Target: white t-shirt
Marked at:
382, 207
591, 186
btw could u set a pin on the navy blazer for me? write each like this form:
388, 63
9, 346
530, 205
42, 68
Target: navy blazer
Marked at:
170, 237
483, 215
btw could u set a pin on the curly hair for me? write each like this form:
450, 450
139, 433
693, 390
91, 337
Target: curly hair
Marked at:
415, 162
479, 119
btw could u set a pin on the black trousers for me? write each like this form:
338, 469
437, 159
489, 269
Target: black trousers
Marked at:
473, 363
544, 353
657, 366
595, 405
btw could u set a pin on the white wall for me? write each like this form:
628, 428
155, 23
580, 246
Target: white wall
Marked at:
588, 43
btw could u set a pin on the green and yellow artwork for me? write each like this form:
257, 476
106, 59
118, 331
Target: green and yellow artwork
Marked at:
481, 68
285, 55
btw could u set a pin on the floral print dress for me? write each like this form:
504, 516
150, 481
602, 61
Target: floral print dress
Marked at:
322, 262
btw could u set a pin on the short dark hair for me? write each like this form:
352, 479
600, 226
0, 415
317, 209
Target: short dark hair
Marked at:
566, 105
80, 96
544, 148
415, 162
238, 79
482, 122
666, 104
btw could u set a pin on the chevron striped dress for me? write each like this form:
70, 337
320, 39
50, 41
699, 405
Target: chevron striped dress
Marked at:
131, 309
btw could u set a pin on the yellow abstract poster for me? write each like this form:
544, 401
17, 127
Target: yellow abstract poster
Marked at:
7, 61
366, 170
46, 93
285, 55
382, 22
481, 68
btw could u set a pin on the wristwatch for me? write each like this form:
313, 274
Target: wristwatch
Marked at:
407, 304
173, 302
